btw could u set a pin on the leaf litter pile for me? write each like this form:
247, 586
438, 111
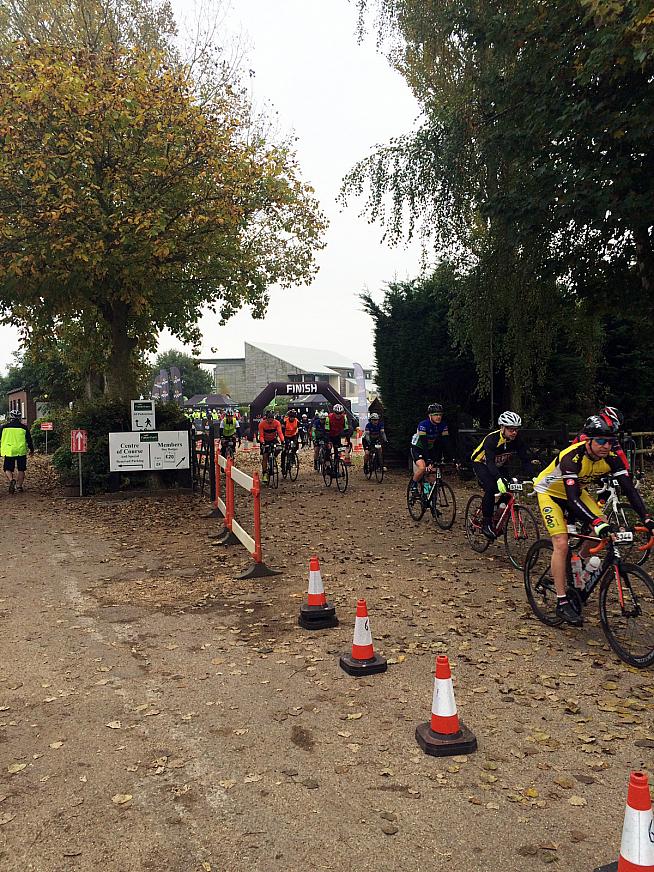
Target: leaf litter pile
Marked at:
559, 719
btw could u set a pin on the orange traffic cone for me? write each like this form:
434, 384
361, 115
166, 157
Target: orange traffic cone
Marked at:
362, 660
445, 734
316, 613
637, 846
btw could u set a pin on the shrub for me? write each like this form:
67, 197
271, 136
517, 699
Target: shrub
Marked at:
100, 419
60, 418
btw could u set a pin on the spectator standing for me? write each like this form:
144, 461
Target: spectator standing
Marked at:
15, 442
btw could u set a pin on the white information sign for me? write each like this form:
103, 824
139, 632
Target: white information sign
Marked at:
135, 452
143, 415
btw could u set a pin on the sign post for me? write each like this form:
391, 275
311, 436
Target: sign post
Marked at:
143, 415
46, 426
78, 444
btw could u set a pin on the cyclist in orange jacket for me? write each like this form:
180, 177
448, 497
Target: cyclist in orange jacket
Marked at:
270, 433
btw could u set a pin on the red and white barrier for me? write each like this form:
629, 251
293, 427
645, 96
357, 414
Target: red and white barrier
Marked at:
234, 533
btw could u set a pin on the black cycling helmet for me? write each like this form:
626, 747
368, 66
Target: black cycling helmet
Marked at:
270, 413
16, 415
434, 409
596, 425
291, 413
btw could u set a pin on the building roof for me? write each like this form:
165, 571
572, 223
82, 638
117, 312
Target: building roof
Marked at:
312, 360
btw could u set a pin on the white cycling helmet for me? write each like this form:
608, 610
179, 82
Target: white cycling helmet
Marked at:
509, 419
338, 408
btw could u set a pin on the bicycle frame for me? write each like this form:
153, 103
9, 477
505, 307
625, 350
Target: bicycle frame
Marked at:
613, 559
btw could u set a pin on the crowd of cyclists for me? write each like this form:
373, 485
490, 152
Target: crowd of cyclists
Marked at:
561, 487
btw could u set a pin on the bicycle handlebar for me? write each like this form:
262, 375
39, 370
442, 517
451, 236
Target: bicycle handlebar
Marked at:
650, 542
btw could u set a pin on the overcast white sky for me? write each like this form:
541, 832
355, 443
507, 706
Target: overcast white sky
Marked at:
340, 99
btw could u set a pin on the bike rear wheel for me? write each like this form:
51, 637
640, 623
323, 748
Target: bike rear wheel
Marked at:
443, 505
414, 501
539, 583
472, 523
284, 466
327, 472
341, 476
629, 624
519, 538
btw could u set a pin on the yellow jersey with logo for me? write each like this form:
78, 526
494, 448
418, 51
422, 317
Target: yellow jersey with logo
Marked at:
573, 466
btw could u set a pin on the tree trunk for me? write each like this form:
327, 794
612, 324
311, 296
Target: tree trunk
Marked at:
644, 258
120, 377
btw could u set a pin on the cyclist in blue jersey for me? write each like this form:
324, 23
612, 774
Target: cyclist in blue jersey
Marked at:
373, 433
430, 443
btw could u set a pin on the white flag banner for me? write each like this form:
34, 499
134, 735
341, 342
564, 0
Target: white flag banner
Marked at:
361, 406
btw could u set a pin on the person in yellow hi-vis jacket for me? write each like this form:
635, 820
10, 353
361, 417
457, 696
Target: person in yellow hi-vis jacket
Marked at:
15, 442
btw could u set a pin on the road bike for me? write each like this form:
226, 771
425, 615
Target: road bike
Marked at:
433, 493
273, 466
515, 522
622, 517
334, 467
375, 464
626, 593
228, 447
290, 461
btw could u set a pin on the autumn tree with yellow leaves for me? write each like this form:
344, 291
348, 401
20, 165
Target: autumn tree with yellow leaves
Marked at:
129, 205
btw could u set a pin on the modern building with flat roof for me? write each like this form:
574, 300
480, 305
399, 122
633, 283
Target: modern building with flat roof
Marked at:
243, 378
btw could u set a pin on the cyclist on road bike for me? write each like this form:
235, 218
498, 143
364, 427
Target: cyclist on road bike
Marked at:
270, 434
291, 433
430, 442
494, 452
304, 429
373, 433
338, 427
319, 434
561, 490
229, 432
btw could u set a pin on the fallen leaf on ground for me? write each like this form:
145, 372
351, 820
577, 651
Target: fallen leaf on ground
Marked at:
121, 798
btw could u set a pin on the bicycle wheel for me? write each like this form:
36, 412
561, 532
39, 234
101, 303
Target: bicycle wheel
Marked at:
274, 472
443, 505
327, 473
519, 538
539, 584
367, 467
627, 519
472, 524
414, 502
379, 468
294, 468
341, 476
629, 624
284, 466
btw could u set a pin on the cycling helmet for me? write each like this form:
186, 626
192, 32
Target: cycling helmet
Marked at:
434, 409
374, 417
509, 419
338, 409
291, 413
15, 415
614, 415
304, 418
597, 426
270, 413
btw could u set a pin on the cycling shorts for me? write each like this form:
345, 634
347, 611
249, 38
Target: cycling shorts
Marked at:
11, 462
418, 453
553, 511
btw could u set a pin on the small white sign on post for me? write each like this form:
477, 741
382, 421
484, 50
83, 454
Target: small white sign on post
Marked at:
143, 415
148, 452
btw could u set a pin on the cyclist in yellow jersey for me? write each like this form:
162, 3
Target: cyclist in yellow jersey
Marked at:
561, 489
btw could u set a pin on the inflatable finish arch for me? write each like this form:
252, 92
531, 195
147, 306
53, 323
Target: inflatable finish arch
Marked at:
300, 389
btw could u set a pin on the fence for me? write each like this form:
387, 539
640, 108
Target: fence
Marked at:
233, 532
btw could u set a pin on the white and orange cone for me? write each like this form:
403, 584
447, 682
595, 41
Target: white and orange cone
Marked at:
362, 660
445, 734
316, 613
637, 846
